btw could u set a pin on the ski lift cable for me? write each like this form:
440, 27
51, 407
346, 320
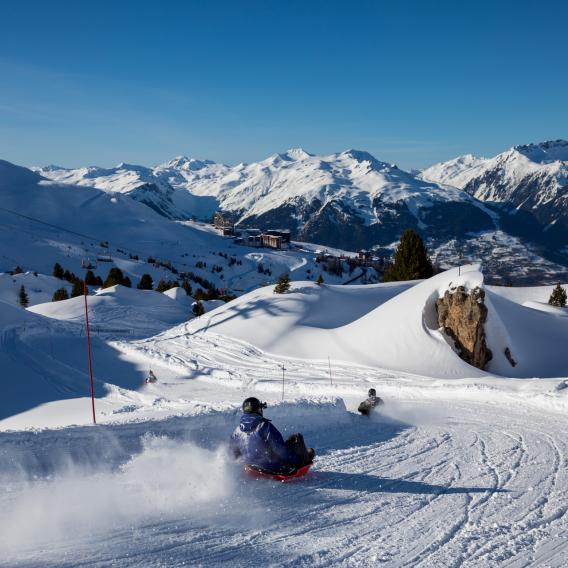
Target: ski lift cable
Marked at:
85, 236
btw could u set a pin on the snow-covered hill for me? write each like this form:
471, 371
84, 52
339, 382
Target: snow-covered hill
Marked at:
459, 464
43, 222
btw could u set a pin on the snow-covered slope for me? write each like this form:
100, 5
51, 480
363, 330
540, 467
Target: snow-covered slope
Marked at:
400, 334
38, 287
120, 311
44, 221
466, 471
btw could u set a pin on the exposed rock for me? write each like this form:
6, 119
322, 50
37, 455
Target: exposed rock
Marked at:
462, 316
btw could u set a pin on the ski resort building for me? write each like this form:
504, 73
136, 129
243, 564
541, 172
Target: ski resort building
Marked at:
224, 223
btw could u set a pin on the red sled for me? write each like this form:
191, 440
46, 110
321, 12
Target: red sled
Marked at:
294, 473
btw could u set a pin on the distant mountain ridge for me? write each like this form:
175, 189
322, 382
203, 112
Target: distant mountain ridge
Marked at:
348, 198
531, 178
352, 200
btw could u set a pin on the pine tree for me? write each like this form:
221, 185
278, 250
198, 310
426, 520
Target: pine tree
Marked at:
282, 284
164, 285
23, 297
320, 280
60, 294
78, 288
198, 309
558, 297
126, 282
146, 282
90, 278
17, 270
58, 271
187, 287
199, 294
411, 260
115, 276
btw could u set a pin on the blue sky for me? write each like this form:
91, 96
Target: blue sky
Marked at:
412, 82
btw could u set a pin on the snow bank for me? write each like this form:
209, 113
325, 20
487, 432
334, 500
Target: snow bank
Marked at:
393, 327
297, 324
122, 311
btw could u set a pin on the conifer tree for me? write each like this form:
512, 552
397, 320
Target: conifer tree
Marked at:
60, 294
146, 282
411, 260
23, 297
17, 270
115, 276
58, 270
187, 287
320, 280
198, 309
78, 288
199, 294
90, 278
126, 282
282, 284
164, 285
558, 297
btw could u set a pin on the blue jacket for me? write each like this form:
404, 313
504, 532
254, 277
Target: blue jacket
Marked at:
259, 443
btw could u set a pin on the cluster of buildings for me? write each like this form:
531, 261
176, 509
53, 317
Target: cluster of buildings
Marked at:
271, 238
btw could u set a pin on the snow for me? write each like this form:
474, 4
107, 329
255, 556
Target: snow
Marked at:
544, 165
199, 188
137, 312
459, 468
43, 222
39, 287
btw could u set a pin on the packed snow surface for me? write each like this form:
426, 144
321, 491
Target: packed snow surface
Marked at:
459, 467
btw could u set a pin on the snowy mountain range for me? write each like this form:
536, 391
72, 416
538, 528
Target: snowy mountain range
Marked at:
351, 200
348, 199
532, 178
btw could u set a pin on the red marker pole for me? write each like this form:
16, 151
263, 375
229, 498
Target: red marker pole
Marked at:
85, 289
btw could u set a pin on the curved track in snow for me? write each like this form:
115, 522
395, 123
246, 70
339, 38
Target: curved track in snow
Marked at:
448, 485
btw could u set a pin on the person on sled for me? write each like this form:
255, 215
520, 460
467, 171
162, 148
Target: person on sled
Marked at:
259, 444
370, 403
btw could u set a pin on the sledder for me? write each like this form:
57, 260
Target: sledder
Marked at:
367, 406
258, 443
151, 378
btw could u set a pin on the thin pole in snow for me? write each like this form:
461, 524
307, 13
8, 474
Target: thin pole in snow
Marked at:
329, 363
283, 369
85, 290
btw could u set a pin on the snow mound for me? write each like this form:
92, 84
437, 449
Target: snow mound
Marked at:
140, 312
39, 287
393, 327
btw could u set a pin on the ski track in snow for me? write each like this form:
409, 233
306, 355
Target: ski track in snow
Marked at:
465, 492
454, 484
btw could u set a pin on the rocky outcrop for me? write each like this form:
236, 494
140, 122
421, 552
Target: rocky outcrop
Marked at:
462, 316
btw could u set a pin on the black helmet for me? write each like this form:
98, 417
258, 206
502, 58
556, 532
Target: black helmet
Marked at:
253, 406
372, 392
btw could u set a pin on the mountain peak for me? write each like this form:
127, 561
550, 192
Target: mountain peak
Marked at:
543, 152
359, 155
186, 163
298, 154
